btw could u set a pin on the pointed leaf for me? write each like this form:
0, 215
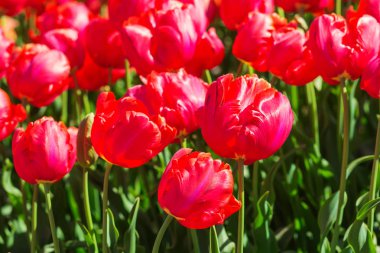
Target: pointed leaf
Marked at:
214, 244
130, 237
112, 232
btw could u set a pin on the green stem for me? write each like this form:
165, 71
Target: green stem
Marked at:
64, 113
338, 7
128, 79
49, 211
25, 210
194, 239
374, 175
208, 76
87, 208
240, 169
86, 103
160, 235
214, 244
314, 116
343, 172
105, 204
34, 219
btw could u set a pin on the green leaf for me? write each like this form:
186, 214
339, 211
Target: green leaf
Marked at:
325, 247
357, 162
366, 208
214, 245
87, 237
226, 244
130, 236
7, 180
360, 238
112, 232
264, 237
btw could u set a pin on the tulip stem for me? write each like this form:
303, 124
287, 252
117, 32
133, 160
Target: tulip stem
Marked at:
128, 79
34, 219
310, 90
240, 169
87, 208
161, 232
374, 175
338, 7
342, 184
208, 76
49, 211
105, 204
194, 239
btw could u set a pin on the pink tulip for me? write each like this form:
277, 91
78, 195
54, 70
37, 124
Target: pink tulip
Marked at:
245, 118
6, 48
370, 79
197, 190
38, 74
43, 153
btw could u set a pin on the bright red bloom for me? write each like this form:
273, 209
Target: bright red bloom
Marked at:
122, 10
67, 41
10, 115
71, 14
254, 40
12, 7
6, 47
125, 133
306, 5
175, 96
38, 74
197, 190
370, 79
167, 40
92, 77
371, 7
330, 47
43, 153
235, 12
245, 118
102, 39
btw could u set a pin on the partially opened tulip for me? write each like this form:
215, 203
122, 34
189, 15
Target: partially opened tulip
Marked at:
301, 6
125, 133
175, 96
370, 7
197, 190
44, 152
121, 10
245, 118
38, 74
10, 115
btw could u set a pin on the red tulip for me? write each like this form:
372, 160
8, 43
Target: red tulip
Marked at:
67, 41
254, 40
10, 115
371, 7
197, 190
125, 133
370, 79
92, 77
362, 31
235, 12
102, 39
122, 10
6, 48
175, 96
43, 153
38, 74
245, 118
71, 14
209, 53
306, 5
330, 47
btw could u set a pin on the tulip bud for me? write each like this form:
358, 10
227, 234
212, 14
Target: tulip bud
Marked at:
86, 154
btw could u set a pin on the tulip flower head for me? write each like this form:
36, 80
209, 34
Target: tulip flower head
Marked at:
245, 118
197, 190
38, 74
125, 133
44, 151
175, 96
6, 47
10, 115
